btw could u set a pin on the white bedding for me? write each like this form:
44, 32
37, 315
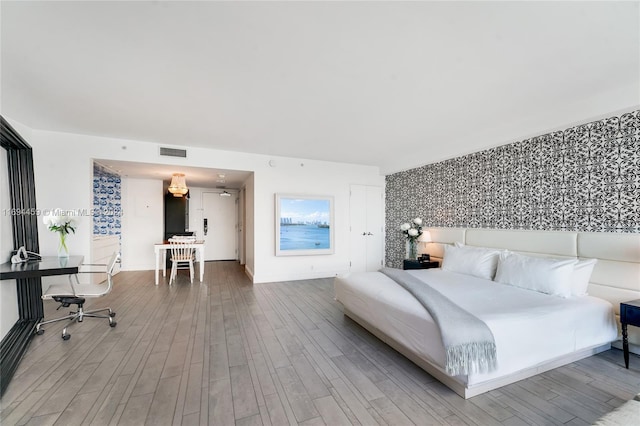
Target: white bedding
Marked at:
529, 328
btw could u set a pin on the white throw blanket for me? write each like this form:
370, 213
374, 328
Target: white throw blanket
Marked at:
468, 341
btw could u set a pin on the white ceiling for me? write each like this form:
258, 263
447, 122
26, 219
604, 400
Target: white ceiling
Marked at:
389, 84
196, 177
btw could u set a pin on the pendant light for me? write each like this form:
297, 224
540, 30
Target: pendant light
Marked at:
178, 185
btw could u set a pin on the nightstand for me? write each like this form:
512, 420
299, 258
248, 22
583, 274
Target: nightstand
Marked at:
416, 264
629, 315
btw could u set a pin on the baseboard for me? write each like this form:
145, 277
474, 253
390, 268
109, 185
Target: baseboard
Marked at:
296, 276
634, 349
249, 272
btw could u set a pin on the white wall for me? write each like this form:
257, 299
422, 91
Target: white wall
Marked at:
142, 222
303, 177
63, 164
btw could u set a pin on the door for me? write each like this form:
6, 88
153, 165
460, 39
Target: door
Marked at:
242, 218
219, 226
366, 228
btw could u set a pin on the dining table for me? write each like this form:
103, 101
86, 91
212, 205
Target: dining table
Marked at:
160, 250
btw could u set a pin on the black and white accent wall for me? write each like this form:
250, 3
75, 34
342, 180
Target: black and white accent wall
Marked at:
585, 178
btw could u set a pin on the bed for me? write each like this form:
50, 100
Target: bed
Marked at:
533, 331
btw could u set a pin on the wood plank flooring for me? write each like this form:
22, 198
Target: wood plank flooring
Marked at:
227, 352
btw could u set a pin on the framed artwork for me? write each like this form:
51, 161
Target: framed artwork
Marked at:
304, 225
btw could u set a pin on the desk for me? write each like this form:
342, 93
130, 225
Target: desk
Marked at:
48, 266
29, 284
161, 254
30, 309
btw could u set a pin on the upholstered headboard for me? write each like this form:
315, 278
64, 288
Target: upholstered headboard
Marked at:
616, 276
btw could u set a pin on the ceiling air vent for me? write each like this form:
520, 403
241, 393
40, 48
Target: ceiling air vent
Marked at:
173, 152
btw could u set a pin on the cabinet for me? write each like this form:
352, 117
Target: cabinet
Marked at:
366, 212
629, 315
176, 215
416, 264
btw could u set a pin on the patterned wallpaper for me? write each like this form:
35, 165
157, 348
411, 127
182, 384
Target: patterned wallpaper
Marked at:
586, 178
107, 207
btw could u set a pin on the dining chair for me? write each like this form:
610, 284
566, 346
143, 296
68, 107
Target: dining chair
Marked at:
75, 293
181, 257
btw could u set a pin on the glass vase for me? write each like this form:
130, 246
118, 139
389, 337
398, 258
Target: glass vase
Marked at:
412, 249
63, 249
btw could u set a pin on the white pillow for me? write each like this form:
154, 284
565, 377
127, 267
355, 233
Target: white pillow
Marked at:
581, 276
476, 261
549, 276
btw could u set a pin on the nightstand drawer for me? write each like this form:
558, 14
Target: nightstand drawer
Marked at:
630, 314
416, 264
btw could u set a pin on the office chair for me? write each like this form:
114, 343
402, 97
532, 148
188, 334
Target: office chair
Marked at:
76, 294
181, 256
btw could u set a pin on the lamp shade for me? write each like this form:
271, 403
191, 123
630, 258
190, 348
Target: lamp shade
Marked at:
178, 186
425, 237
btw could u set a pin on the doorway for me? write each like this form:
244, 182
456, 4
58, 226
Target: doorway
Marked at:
367, 228
219, 216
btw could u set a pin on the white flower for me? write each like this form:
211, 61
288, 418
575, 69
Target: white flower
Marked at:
63, 223
413, 232
417, 221
47, 219
53, 220
405, 227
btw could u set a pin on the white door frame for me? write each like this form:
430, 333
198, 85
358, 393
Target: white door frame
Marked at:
234, 195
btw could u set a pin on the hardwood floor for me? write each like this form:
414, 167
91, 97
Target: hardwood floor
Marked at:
227, 352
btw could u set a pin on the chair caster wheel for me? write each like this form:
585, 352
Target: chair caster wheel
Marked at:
113, 324
40, 332
66, 336
112, 314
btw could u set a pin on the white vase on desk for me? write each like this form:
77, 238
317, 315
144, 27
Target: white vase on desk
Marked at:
63, 249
